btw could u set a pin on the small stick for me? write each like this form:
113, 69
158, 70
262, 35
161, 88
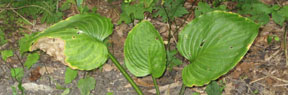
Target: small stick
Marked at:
278, 85
285, 43
258, 80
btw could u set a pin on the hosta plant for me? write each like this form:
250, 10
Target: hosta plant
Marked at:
145, 55
214, 43
77, 42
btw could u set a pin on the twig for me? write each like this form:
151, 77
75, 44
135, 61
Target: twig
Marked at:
165, 87
277, 85
273, 55
278, 79
285, 43
22, 17
47, 73
258, 80
10, 8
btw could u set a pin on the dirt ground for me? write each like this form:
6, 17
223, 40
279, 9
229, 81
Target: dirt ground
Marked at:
262, 71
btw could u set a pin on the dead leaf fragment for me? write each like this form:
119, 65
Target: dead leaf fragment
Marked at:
35, 74
52, 46
48, 70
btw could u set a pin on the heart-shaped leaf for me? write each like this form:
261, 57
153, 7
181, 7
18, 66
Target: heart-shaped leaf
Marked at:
76, 41
144, 51
214, 43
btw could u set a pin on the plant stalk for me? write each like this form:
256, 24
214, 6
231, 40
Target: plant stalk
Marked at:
156, 85
182, 91
125, 74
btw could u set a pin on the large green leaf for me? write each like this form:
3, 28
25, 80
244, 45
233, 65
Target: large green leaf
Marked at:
214, 43
83, 36
144, 51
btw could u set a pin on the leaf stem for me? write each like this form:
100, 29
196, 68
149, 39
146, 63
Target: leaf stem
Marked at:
125, 74
182, 91
156, 85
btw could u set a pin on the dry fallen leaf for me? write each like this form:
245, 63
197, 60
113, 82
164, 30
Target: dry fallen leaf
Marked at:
35, 74
48, 70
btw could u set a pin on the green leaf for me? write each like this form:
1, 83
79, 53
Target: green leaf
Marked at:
259, 12
284, 12
2, 38
31, 59
70, 75
60, 87
83, 35
131, 12
276, 7
6, 53
214, 89
276, 38
14, 90
86, 85
109, 93
214, 43
17, 73
66, 92
172, 60
174, 8
278, 18
269, 39
203, 8
145, 55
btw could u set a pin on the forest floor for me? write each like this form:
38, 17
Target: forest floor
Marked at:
262, 71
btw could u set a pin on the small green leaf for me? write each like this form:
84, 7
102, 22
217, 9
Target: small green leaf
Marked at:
86, 85
109, 93
145, 55
278, 18
196, 93
70, 75
2, 38
132, 11
14, 90
284, 12
173, 9
60, 87
6, 53
276, 38
269, 39
276, 7
66, 92
17, 73
31, 59
203, 8
214, 89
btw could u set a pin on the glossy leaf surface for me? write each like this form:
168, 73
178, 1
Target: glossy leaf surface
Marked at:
144, 51
83, 36
214, 43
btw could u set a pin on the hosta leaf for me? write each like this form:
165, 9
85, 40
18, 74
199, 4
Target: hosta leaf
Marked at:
214, 43
144, 51
81, 37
